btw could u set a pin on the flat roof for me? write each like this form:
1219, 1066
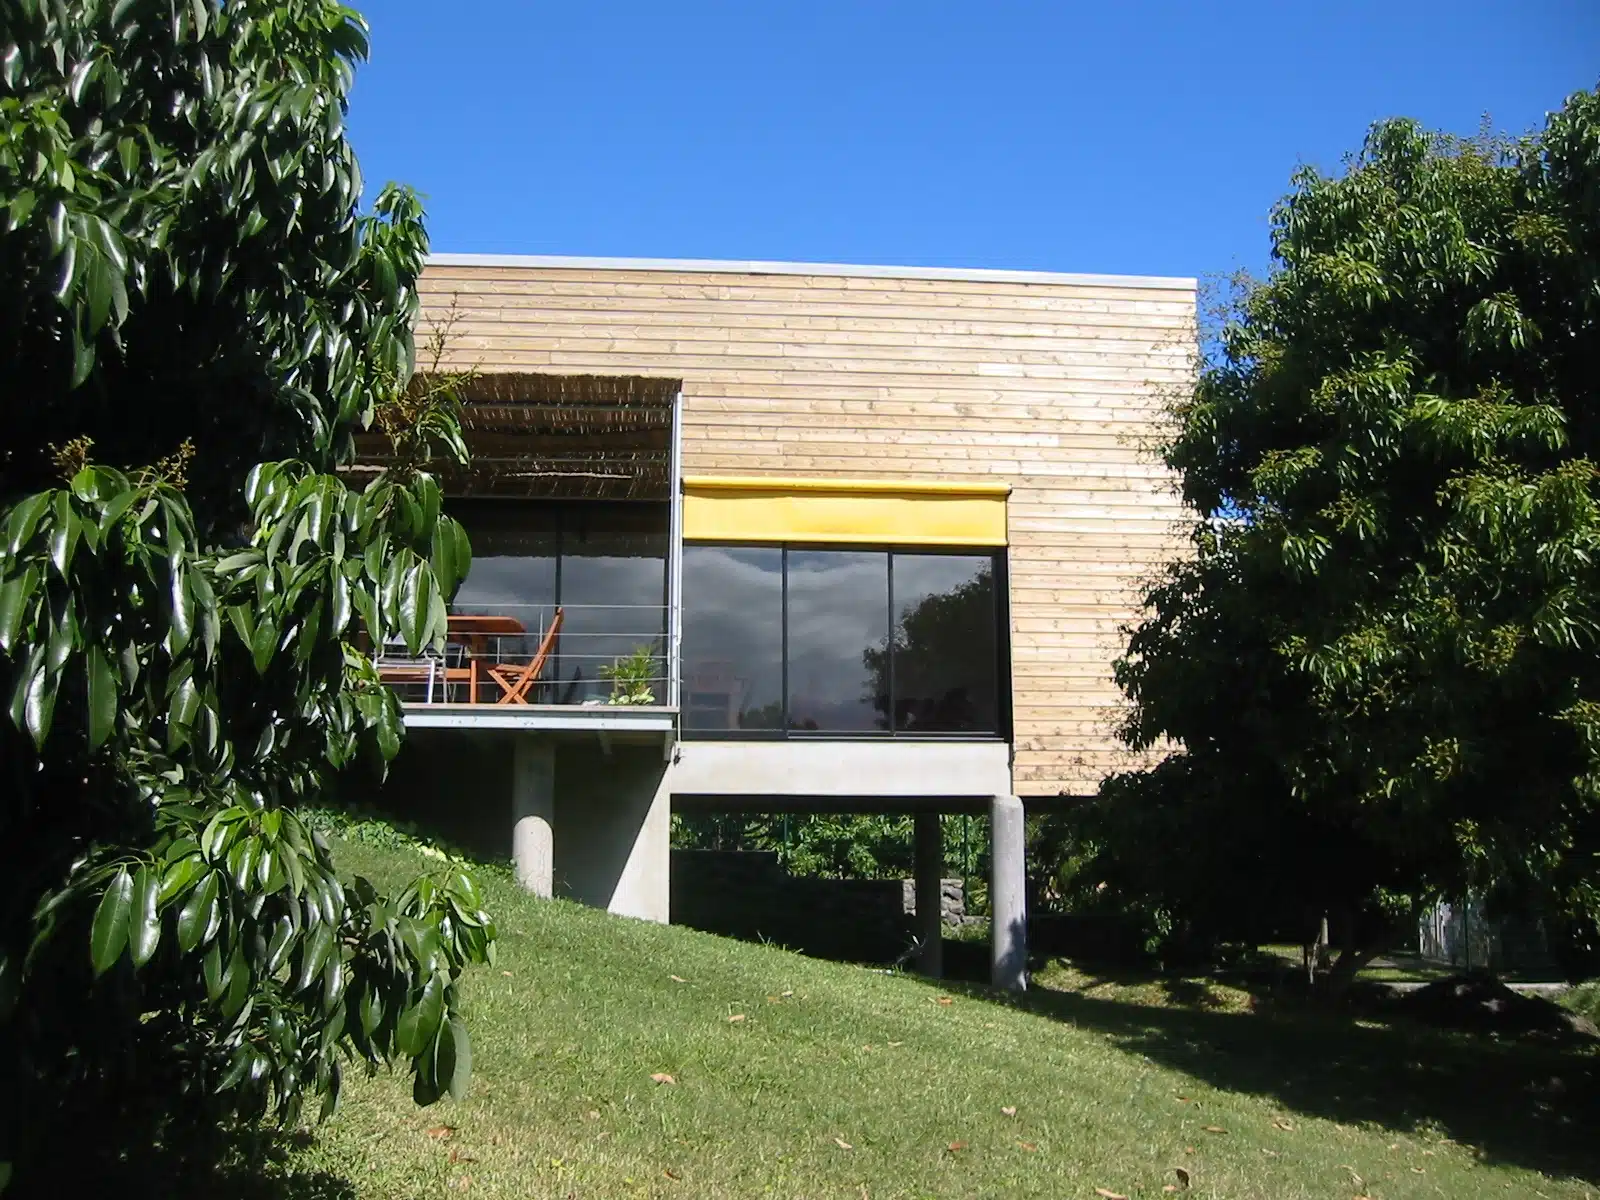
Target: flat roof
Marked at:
720, 266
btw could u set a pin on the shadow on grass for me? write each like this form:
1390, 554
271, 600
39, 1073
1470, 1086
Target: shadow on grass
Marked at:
241, 1167
1531, 1105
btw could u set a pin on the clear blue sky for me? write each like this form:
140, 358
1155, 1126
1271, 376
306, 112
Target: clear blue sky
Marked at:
1147, 138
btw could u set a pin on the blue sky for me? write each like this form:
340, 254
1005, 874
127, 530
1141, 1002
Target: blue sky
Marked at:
1146, 138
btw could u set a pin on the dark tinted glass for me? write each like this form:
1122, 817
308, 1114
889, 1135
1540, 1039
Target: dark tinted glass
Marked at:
838, 618
514, 549
945, 658
605, 563
613, 592
732, 638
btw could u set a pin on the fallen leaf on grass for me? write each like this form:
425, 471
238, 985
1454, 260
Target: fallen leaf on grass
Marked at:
842, 1144
456, 1156
677, 979
663, 1077
1215, 1129
507, 974
735, 1019
946, 1001
1282, 1124
956, 1147
1181, 1099
671, 1174
787, 994
897, 1043
1009, 1110
439, 1132
1028, 1146
1108, 1194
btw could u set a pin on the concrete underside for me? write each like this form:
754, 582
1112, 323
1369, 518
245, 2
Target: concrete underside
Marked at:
586, 814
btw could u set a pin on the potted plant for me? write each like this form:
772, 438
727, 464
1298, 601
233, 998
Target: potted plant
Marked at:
631, 676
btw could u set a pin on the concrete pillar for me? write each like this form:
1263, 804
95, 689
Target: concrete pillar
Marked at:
1008, 931
929, 854
533, 803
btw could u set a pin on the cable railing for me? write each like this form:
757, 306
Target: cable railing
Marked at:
512, 653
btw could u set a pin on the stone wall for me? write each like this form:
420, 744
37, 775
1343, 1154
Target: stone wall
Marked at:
747, 894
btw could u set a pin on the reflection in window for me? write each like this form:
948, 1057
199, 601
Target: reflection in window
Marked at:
938, 672
603, 562
732, 637
613, 591
838, 610
945, 659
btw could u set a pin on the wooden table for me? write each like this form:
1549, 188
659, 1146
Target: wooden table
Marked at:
473, 630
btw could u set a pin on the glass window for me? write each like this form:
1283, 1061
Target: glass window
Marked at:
732, 638
838, 613
514, 553
945, 658
613, 592
604, 562
841, 641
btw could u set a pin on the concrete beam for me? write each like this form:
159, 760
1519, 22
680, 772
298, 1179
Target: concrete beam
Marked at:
929, 847
533, 805
1008, 933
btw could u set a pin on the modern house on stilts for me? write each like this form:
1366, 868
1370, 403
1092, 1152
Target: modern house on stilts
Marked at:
786, 537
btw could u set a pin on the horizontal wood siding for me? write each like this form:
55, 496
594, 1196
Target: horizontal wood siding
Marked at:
1055, 388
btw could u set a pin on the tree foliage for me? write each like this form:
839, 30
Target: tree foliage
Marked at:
196, 320
1378, 664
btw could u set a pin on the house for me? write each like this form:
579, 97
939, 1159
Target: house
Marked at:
850, 538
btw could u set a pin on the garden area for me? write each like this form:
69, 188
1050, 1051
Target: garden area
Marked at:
616, 1058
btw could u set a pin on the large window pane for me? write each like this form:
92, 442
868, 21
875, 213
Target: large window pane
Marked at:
838, 618
603, 562
514, 551
613, 592
732, 638
945, 658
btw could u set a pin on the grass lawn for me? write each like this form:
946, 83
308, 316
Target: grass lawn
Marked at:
795, 1077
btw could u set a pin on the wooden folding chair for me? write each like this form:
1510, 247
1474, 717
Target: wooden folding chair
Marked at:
515, 681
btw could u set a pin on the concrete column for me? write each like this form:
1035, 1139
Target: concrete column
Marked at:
1008, 931
929, 854
533, 803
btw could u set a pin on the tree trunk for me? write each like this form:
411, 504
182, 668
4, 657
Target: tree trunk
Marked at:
1354, 954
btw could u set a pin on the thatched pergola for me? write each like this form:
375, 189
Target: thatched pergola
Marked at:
558, 437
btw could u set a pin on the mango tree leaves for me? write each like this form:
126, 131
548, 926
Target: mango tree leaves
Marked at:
183, 646
110, 931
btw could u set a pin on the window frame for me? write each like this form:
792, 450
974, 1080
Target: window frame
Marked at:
1000, 570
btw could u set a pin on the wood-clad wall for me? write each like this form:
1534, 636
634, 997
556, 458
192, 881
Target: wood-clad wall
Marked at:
1054, 387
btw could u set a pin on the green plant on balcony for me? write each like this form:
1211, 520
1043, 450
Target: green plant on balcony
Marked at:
631, 676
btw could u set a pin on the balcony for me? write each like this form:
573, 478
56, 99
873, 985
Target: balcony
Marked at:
565, 617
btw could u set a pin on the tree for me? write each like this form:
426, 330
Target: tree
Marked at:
940, 648
1378, 663
196, 320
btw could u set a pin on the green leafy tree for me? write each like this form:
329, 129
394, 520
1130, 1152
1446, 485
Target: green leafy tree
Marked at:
941, 650
1378, 665
196, 319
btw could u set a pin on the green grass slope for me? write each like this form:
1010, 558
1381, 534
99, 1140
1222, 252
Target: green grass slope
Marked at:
794, 1077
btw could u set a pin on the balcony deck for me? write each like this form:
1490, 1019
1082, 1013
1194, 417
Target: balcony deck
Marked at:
600, 668
652, 721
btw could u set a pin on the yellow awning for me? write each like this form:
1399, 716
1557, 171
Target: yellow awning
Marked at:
891, 512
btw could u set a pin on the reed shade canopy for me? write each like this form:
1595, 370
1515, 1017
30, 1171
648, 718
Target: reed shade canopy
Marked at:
563, 437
